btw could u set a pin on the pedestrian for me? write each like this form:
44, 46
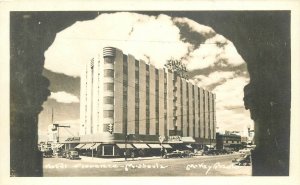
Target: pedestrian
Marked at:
132, 154
162, 152
165, 153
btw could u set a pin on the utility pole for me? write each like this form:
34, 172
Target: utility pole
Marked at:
56, 127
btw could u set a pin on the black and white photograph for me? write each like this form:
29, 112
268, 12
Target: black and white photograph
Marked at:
151, 93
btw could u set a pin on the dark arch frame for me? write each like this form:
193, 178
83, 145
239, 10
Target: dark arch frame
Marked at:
261, 37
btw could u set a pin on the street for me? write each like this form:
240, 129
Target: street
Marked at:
220, 165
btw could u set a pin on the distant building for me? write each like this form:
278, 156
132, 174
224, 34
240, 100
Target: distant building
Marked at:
228, 141
124, 100
51, 134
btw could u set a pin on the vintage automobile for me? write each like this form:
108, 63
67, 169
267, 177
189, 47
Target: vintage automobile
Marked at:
47, 153
71, 154
179, 153
243, 161
211, 152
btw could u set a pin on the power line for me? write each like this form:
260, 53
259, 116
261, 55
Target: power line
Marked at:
144, 41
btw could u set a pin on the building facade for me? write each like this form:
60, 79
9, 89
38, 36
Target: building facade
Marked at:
227, 140
125, 100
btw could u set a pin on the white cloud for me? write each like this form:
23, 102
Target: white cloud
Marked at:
215, 51
145, 37
194, 25
213, 78
64, 97
150, 38
156, 39
231, 114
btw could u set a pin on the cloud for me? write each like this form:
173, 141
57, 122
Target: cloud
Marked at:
230, 111
214, 52
155, 39
64, 97
213, 79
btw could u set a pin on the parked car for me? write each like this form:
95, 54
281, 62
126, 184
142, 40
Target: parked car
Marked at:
211, 152
72, 154
243, 161
47, 153
245, 151
176, 153
61, 153
179, 153
225, 151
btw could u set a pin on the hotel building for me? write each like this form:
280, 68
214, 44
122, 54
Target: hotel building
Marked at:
127, 103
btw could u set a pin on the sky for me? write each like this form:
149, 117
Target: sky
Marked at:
212, 61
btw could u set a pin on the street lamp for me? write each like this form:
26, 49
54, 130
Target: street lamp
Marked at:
125, 153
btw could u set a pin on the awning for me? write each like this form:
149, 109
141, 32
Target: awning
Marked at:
210, 146
140, 146
122, 146
79, 146
154, 145
95, 146
189, 146
166, 146
61, 145
188, 140
88, 146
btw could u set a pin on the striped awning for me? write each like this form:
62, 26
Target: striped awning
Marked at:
166, 146
189, 146
210, 146
122, 145
88, 146
140, 146
154, 145
80, 146
95, 146
187, 139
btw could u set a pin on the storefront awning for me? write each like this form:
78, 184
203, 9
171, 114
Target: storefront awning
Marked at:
122, 146
188, 140
189, 146
210, 146
79, 146
140, 146
95, 146
154, 145
166, 146
88, 146
61, 145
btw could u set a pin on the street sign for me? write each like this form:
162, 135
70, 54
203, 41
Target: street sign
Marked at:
110, 128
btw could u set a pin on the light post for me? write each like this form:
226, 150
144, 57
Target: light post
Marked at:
209, 139
125, 153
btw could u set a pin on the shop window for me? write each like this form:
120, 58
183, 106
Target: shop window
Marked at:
107, 150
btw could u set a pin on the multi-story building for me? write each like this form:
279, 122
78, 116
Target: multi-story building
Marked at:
128, 103
228, 140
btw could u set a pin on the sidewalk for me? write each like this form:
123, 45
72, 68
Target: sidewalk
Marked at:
103, 160
129, 159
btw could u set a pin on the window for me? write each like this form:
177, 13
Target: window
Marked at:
108, 73
109, 86
108, 150
108, 61
108, 113
108, 100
